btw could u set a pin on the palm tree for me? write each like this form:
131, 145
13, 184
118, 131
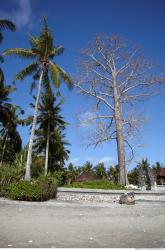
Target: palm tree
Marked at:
4, 24
61, 154
10, 138
57, 148
7, 116
87, 167
146, 176
100, 171
42, 52
4, 90
48, 120
113, 174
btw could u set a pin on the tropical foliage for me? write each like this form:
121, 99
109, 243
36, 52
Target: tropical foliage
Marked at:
49, 137
10, 140
42, 52
4, 24
45, 165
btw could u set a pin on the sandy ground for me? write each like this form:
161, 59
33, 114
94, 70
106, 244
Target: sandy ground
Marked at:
70, 224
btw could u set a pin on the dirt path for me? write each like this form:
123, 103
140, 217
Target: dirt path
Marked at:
68, 224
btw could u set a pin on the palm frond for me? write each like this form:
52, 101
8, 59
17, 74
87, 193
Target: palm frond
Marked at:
1, 76
33, 41
1, 37
64, 76
57, 51
54, 74
30, 69
20, 52
1, 59
44, 22
6, 24
32, 87
29, 120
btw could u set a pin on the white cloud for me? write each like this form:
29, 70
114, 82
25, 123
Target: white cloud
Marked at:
94, 160
20, 15
106, 160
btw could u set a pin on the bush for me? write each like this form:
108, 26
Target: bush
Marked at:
44, 188
98, 184
61, 176
37, 167
9, 174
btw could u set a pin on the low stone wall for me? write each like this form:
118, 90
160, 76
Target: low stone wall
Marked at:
89, 195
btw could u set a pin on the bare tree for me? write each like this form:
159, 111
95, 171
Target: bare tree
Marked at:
116, 75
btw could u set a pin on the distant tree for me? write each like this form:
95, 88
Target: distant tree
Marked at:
72, 172
157, 167
42, 51
133, 176
115, 75
113, 174
100, 171
87, 167
146, 176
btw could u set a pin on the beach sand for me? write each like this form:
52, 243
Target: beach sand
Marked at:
79, 224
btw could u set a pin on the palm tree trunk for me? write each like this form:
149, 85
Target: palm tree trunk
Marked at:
3, 150
119, 138
29, 156
47, 150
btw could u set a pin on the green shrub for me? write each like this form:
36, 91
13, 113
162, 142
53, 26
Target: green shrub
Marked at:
98, 184
48, 185
37, 167
9, 174
44, 188
60, 175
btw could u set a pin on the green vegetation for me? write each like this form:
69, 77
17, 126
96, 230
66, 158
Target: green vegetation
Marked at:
98, 184
50, 140
33, 173
10, 174
42, 189
42, 68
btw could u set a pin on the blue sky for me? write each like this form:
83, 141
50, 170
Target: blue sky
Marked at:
74, 23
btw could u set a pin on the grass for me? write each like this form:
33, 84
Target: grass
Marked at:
99, 184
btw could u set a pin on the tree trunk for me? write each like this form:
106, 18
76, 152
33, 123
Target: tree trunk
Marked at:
47, 150
119, 138
29, 156
3, 150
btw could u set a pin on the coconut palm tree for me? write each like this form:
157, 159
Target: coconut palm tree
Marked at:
42, 52
48, 120
57, 148
4, 24
4, 90
10, 138
6, 115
